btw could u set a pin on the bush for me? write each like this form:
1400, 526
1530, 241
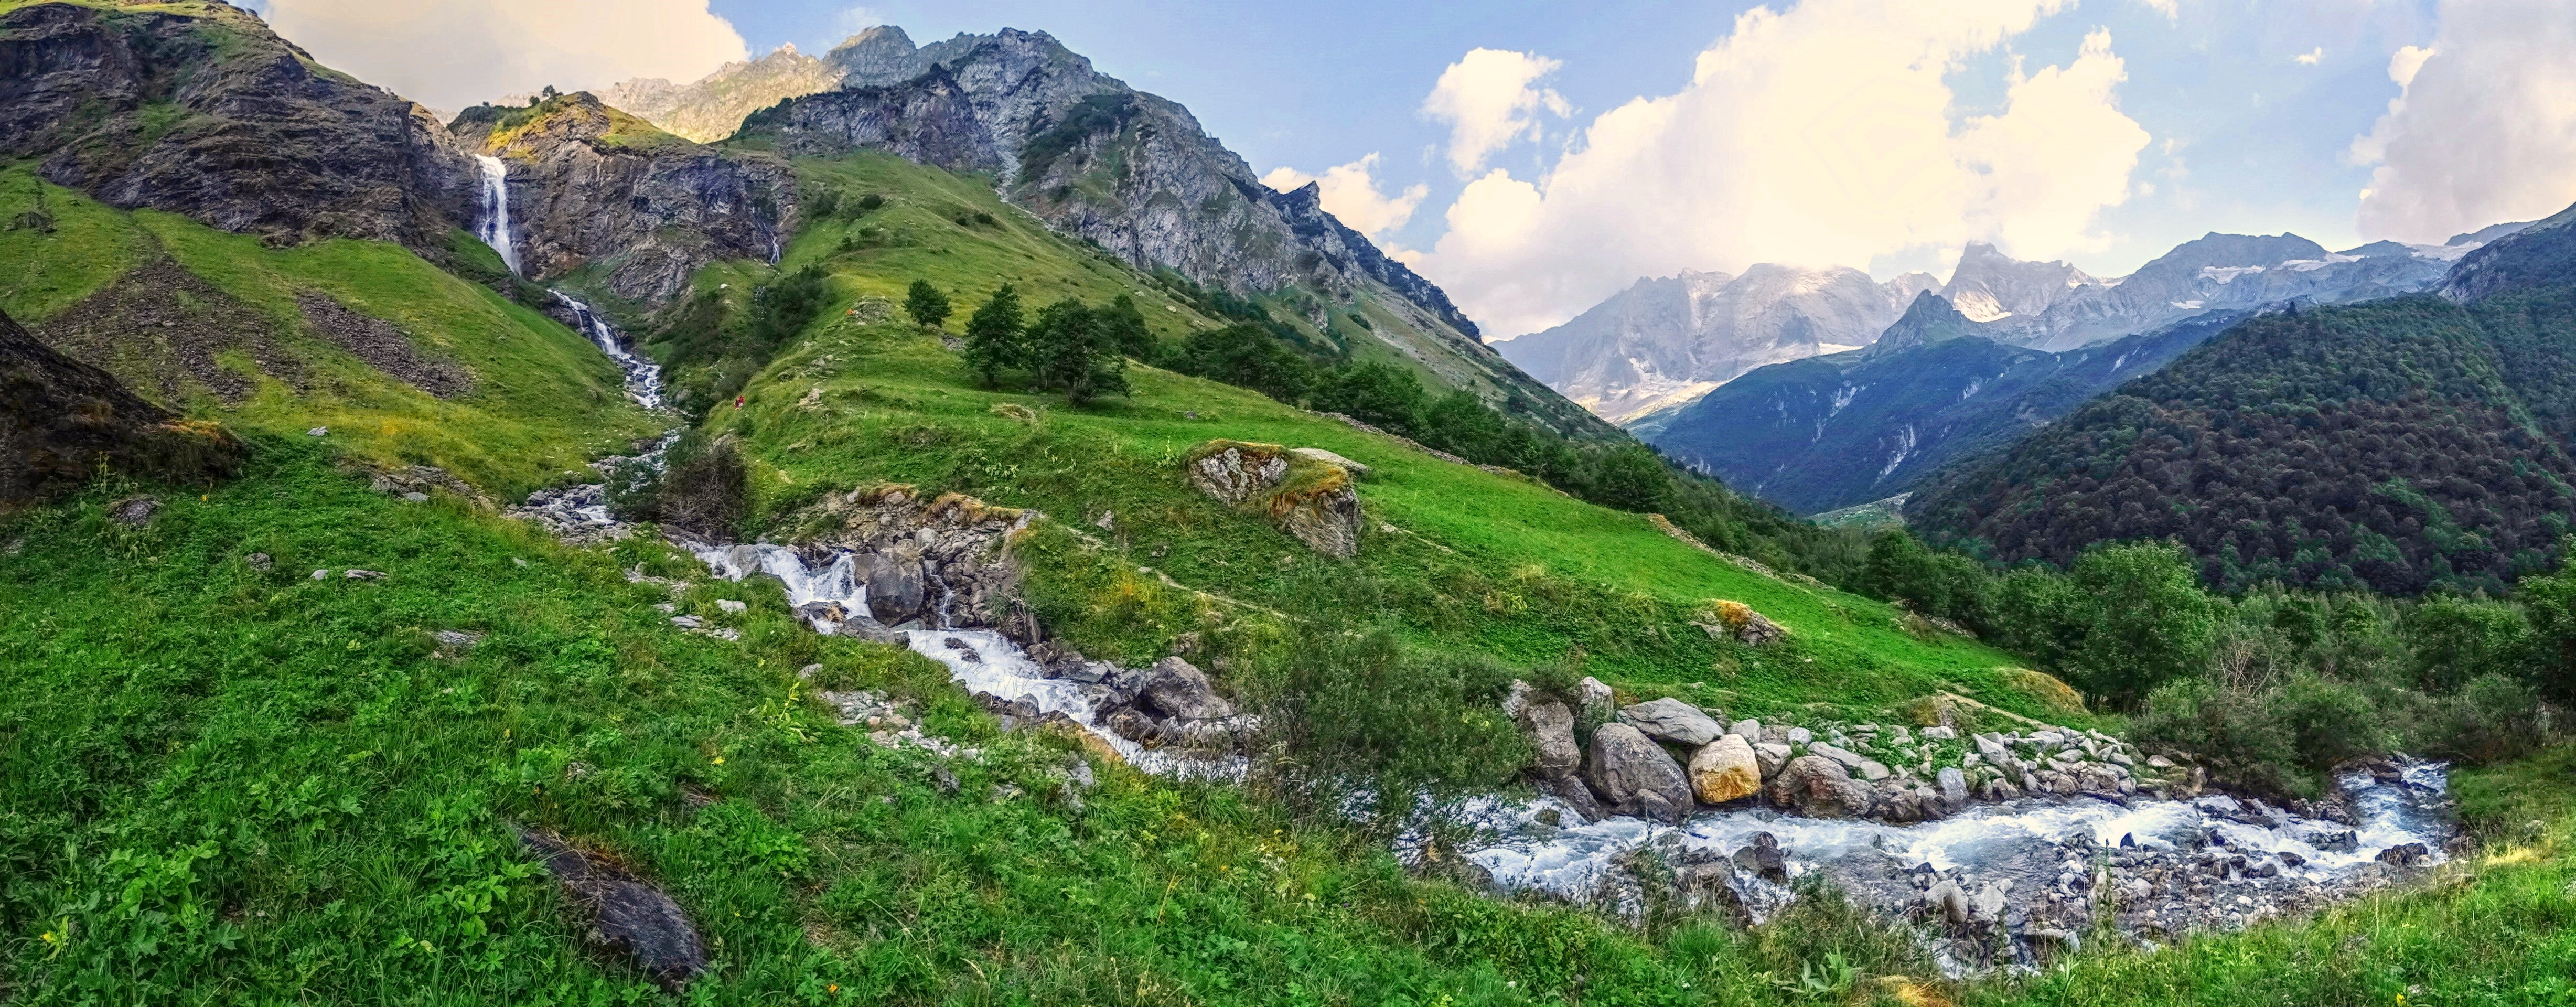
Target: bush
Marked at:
2231, 734
2329, 721
927, 306
707, 491
870, 203
2460, 639
2493, 718
2151, 620
1351, 713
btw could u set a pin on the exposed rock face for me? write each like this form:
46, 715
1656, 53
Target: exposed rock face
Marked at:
60, 418
210, 115
1819, 787
1672, 720
713, 107
1724, 770
1309, 499
1634, 776
590, 184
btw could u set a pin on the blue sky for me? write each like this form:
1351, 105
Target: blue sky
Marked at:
1584, 146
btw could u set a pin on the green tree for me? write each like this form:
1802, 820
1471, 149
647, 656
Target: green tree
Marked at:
1632, 478
1246, 356
2152, 622
1075, 354
927, 306
1125, 328
1382, 394
1462, 424
2550, 602
994, 337
2458, 639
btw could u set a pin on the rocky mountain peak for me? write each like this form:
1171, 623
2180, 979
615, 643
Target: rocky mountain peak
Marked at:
1930, 319
2233, 251
1989, 285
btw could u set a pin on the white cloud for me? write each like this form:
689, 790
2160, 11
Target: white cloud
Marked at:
1490, 99
1350, 193
453, 53
858, 19
1819, 135
2171, 9
2484, 129
2311, 57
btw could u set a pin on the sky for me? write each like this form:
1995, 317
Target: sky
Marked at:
1534, 158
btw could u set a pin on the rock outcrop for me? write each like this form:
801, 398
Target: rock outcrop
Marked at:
61, 419
626, 915
203, 111
1310, 499
592, 186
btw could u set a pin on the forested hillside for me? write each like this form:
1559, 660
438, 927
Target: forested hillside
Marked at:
2401, 445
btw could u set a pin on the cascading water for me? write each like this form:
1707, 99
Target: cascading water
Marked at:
495, 226
643, 377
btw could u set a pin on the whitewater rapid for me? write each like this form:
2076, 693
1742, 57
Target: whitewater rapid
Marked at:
643, 377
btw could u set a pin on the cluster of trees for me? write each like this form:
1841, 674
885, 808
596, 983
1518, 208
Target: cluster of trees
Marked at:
1070, 347
2272, 687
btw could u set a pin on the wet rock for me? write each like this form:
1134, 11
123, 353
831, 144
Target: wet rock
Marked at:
1633, 775
1947, 899
1820, 787
1762, 857
1175, 688
1672, 720
1575, 794
1725, 770
1954, 788
626, 915
896, 591
2404, 855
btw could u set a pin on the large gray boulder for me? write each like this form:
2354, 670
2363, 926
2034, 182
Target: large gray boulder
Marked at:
1175, 688
1672, 720
1635, 776
896, 591
1550, 730
1819, 787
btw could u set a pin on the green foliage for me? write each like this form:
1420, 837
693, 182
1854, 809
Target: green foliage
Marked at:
1246, 356
1632, 478
1123, 326
1380, 394
1362, 714
927, 306
2151, 621
2231, 733
1076, 353
995, 337
2457, 639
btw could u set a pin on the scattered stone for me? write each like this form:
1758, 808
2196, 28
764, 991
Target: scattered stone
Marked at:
317, 431
1954, 788
364, 574
1770, 756
1749, 729
456, 641
321, 574
1592, 699
1938, 733
1550, 730
1672, 720
1320, 455
259, 561
1763, 857
2404, 855
1175, 688
730, 605
687, 621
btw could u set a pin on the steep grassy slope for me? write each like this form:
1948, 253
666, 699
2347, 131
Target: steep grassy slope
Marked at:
1477, 561
543, 399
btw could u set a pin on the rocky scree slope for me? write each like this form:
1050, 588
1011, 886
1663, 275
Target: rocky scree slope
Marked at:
202, 111
639, 211
61, 420
1136, 174
2401, 445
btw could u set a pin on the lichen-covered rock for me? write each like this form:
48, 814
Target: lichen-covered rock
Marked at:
1309, 499
1747, 626
1635, 776
1724, 770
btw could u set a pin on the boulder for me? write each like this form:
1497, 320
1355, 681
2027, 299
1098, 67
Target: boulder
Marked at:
1849, 758
896, 591
1550, 730
1762, 856
1237, 473
1672, 720
1725, 770
1819, 787
1769, 757
1948, 900
625, 914
1592, 700
1320, 455
2404, 855
1633, 775
1575, 794
1749, 729
1954, 788
1175, 688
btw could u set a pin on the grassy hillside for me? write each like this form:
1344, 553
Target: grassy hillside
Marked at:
543, 399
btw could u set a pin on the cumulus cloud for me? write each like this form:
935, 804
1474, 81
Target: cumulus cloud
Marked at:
1350, 193
2311, 57
2484, 128
453, 53
1824, 134
1490, 98
2168, 8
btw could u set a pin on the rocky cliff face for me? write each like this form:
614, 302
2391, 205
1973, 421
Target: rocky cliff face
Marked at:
1667, 341
203, 111
591, 185
713, 107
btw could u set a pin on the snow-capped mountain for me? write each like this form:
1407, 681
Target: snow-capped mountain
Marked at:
1669, 340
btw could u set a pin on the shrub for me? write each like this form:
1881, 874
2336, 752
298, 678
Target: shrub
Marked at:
2151, 620
2329, 721
2493, 718
1353, 712
870, 203
707, 491
2231, 734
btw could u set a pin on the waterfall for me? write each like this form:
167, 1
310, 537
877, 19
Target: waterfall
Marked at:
495, 226
643, 377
